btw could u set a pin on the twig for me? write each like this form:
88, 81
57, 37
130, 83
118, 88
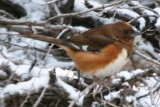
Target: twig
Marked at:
43, 24
142, 16
60, 34
40, 97
58, 12
86, 11
52, 1
147, 58
28, 95
5, 21
7, 14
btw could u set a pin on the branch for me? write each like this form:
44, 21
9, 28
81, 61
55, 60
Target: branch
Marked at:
40, 97
6, 21
86, 11
147, 58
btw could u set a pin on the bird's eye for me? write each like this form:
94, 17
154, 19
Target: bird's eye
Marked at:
125, 31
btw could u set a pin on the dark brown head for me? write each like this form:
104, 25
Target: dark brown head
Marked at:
122, 31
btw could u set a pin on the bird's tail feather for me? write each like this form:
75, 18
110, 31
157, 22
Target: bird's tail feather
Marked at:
61, 43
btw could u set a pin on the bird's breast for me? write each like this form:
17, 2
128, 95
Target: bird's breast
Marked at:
113, 67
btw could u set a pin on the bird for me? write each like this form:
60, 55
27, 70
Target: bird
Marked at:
101, 51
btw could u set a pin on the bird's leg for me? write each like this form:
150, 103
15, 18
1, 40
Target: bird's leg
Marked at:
109, 79
98, 80
79, 75
101, 83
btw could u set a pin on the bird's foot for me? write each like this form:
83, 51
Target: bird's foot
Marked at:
103, 82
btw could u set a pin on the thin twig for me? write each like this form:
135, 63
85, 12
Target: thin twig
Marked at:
58, 12
26, 99
60, 34
147, 58
52, 1
86, 11
40, 97
5, 21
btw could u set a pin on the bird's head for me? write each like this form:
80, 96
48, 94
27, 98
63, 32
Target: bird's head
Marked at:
123, 31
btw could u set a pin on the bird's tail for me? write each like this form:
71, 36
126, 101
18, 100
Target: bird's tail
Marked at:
61, 43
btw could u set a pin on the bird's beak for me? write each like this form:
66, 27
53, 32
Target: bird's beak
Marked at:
136, 32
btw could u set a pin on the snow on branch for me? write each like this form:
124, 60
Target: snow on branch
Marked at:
85, 11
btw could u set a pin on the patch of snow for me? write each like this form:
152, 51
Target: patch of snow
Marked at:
40, 71
52, 62
158, 20
63, 2
125, 84
23, 69
134, 15
74, 94
142, 91
112, 95
64, 73
2, 73
143, 102
79, 7
35, 10
145, 10
130, 98
157, 10
147, 46
157, 24
128, 75
3, 36
34, 84
94, 4
80, 29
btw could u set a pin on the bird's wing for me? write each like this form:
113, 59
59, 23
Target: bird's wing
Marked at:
91, 43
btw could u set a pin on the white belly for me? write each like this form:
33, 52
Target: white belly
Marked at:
113, 67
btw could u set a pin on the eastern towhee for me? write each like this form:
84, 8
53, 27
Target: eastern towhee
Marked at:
101, 51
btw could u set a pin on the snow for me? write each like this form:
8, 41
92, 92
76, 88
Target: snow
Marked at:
125, 84
64, 73
146, 11
3, 35
112, 95
147, 46
148, 86
2, 73
35, 10
74, 94
40, 79
158, 20
158, 23
134, 15
79, 29
25, 87
79, 7
36, 82
128, 75
130, 99
94, 4
52, 62
157, 10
